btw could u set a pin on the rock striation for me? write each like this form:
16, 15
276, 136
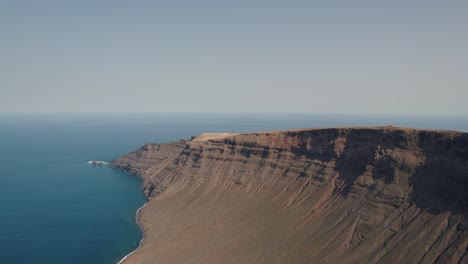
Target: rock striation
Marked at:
334, 195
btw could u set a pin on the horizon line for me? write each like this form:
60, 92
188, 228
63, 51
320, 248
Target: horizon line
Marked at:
240, 113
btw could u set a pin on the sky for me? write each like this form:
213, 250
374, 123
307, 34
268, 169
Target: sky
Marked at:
358, 57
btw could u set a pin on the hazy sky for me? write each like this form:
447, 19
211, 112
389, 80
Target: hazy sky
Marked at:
397, 57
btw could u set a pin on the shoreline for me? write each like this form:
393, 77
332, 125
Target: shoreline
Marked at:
137, 218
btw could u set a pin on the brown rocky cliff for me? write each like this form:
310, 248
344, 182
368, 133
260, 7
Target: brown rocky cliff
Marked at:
338, 195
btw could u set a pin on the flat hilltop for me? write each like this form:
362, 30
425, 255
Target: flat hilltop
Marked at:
327, 195
217, 136
213, 136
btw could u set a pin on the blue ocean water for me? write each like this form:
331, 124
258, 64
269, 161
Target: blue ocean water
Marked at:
56, 208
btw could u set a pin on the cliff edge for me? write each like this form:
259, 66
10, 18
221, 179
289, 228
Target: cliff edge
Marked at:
334, 195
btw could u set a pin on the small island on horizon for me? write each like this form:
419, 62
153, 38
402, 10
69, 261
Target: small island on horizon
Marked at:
327, 195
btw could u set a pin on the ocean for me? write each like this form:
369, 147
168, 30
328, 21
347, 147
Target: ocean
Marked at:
57, 208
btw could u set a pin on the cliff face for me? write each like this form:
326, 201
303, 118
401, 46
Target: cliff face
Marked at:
340, 195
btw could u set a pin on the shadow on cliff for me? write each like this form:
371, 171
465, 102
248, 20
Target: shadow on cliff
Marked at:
441, 183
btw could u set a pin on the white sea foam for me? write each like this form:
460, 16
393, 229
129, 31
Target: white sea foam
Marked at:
137, 218
97, 162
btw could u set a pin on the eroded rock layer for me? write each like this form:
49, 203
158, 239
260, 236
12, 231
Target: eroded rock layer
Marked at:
338, 195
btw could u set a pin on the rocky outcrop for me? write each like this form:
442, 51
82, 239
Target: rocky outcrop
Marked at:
145, 161
338, 195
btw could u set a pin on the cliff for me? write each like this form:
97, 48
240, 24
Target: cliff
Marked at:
337, 195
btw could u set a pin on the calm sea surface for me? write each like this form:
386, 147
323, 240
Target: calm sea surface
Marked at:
56, 208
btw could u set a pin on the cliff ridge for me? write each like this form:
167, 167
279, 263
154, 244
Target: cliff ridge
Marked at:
332, 195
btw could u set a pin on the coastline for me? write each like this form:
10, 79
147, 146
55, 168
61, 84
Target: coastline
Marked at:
137, 218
